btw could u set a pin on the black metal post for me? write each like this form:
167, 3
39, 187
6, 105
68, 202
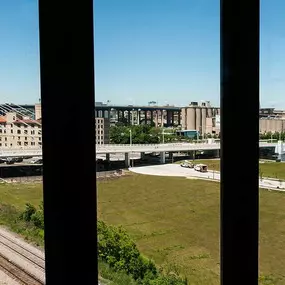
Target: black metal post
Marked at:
239, 159
67, 79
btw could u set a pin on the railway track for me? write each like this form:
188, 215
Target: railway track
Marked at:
18, 273
22, 274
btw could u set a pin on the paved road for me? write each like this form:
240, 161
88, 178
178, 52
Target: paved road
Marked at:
177, 170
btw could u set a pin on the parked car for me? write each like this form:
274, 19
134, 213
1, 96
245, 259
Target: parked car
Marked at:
10, 160
187, 164
37, 161
201, 167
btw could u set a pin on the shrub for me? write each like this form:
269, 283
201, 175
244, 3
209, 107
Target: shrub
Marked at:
28, 212
31, 214
116, 248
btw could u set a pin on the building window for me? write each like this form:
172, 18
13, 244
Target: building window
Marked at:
5, 139
18, 132
4, 131
25, 143
40, 138
25, 132
39, 132
0, 131
40, 143
19, 143
32, 143
26, 138
11, 131
11, 144
19, 138
32, 132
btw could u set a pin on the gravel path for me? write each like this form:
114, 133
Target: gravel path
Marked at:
178, 171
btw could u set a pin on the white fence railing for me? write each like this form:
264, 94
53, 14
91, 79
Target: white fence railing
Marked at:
101, 149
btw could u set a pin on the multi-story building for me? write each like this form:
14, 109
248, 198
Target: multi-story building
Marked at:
202, 118
19, 132
102, 126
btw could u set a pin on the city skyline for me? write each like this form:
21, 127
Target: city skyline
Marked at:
144, 51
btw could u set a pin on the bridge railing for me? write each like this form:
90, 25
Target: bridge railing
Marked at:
129, 148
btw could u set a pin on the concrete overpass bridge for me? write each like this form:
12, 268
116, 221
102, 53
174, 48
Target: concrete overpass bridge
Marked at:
162, 149
160, 115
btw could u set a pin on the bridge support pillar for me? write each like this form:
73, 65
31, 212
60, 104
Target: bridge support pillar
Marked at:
279, 150
127, 160
217, 154
138, 117
156, 118
142, 155
108, 157
162, 157
179, 117
168, 118
172, 119
162, 118
151, 116
145, 117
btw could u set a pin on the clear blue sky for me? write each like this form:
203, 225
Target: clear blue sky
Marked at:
161, 50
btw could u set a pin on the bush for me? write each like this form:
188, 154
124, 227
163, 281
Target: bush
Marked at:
120, 252
28, 212
31, 214
38, 217
116, 248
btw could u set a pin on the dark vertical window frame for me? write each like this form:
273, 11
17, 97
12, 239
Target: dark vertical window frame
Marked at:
239, 141
69, 172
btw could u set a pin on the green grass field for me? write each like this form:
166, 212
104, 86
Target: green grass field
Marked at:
176, 221
267, 169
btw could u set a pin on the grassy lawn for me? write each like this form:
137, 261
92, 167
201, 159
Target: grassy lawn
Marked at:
268, 169
13, 198
174, 221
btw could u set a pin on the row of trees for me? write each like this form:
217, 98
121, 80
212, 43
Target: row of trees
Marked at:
146, 134
274, 136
